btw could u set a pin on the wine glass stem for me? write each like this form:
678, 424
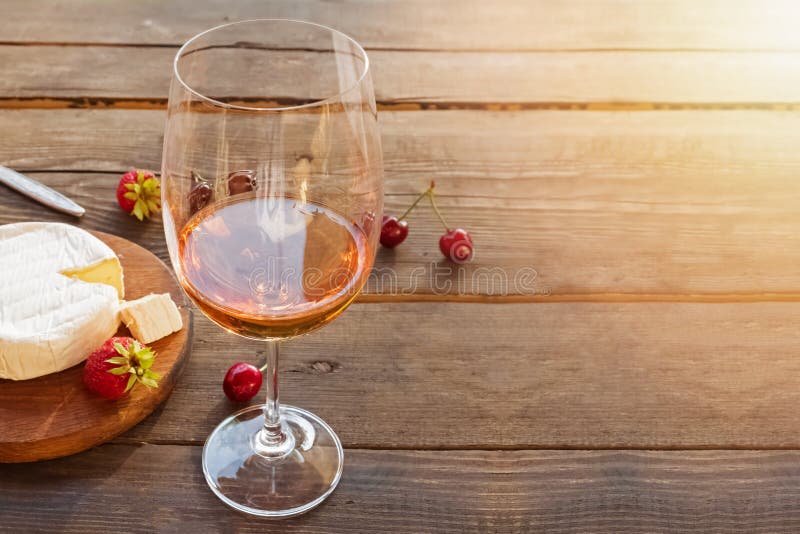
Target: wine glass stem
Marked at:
272, 420
272, 441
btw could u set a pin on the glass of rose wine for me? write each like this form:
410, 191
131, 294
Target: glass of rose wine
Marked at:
272, 188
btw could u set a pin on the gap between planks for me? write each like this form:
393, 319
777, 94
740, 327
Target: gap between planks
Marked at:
515, 447
93, 102
710, 298
485, 50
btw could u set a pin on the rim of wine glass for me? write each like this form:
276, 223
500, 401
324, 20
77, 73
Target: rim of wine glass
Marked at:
315, 103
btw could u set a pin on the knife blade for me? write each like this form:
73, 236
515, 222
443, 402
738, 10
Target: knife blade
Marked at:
39, 192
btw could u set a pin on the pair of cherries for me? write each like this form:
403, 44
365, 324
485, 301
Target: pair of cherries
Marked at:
456, 244
201, 192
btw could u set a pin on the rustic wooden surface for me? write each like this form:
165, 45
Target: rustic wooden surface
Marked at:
636, 161
424, 491
55, 415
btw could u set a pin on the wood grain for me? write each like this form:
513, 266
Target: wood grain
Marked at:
602, 205
571, 375
624, 203
419, 24
667, 159
92, 76
106, 489
55, 415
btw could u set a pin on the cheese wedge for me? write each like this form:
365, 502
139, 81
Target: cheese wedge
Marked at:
152, 317
59, 297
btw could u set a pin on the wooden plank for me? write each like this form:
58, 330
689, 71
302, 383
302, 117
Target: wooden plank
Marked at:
574, 375
114, 487
60, 76
418, 24
603, 206
676, 157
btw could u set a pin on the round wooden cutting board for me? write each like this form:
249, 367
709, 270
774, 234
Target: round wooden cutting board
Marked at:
55, 415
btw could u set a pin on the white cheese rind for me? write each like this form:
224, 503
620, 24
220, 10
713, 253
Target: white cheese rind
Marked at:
152, 317
50, 322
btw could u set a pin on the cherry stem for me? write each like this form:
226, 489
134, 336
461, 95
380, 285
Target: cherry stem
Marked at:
436, 208
425, 193
431, 196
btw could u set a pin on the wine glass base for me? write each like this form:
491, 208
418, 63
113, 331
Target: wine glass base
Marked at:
273, 487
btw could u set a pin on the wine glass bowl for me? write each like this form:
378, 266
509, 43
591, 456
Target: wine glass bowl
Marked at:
272, 189
268, 267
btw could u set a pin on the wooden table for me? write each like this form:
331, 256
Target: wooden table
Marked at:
631, 168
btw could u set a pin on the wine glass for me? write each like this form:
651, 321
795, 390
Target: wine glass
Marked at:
272, 188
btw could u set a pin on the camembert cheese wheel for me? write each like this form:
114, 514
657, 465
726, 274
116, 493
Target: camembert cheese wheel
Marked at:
60, 289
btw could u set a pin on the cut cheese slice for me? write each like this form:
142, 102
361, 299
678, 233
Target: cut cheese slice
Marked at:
108, 272
59, 297
152, 317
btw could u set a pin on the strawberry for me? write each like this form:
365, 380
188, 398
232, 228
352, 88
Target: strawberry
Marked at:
113, 369
139, 193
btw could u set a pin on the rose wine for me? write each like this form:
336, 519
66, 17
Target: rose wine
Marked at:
272, 267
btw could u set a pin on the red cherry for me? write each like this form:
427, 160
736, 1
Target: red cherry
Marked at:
199, 196
393, 231
456, 245
241, 182
242, 382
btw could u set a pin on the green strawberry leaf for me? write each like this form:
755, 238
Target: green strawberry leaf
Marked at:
137, 210
131, 383
149, 382
119, 370
119, 360
154, 206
